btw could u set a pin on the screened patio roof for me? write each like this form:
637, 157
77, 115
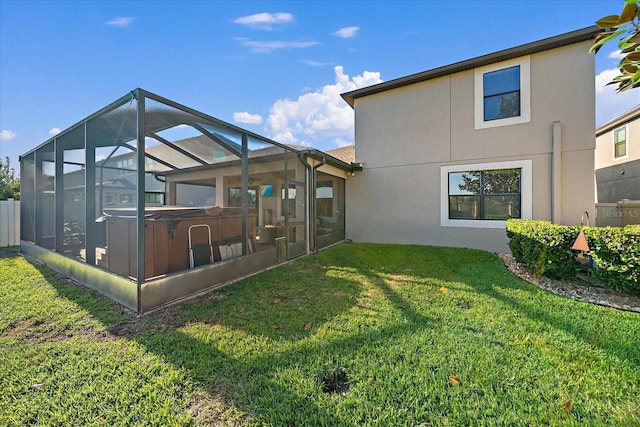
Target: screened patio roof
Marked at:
92, 194
119, 124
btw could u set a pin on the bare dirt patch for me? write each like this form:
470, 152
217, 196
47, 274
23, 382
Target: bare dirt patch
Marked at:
211, 410
33, 331
18, 329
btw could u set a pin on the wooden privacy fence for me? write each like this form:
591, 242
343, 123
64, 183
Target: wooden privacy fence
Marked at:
9, 223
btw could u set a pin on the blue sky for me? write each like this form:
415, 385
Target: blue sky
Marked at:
275, 68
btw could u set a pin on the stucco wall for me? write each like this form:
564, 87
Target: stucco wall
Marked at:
618, 178
619, 181
604, 155
405, 135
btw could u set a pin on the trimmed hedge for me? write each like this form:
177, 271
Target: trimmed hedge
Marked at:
545, 248
616, 252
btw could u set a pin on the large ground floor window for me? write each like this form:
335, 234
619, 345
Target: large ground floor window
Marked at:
485, 195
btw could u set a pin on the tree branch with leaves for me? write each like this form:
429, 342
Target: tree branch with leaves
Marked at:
625, 27
9, 184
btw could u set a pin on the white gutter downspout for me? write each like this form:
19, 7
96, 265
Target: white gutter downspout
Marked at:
556, 173
311, 182
312, 217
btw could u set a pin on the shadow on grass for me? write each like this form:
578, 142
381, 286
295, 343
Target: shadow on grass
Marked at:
97, 305
553, 310
273, 309
9, 251
256, 381
258, 384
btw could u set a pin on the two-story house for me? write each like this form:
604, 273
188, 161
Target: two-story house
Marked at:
617, 158
167, 202
617, 164
451, 153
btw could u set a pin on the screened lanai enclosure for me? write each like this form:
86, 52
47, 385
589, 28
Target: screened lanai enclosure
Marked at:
148, 201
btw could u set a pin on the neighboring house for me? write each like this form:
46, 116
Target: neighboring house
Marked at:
617, 158
449, 154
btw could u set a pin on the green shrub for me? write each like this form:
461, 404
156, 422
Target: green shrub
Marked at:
616, 252
545, 248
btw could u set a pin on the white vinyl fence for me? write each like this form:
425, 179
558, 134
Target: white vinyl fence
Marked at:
625, 212
9, 223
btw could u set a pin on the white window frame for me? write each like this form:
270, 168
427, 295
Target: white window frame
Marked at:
626, 142
526, 192
525, 93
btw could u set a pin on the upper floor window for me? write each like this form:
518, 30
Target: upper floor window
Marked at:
502, 94
123, 166
620, 142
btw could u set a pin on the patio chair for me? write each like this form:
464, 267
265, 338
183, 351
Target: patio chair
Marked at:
230, 250
201, 253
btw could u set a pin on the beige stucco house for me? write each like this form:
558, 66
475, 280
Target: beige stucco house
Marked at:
149, 201
617, 164
450, 153
617, 158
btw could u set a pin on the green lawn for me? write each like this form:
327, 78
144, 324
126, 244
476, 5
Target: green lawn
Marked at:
389, 327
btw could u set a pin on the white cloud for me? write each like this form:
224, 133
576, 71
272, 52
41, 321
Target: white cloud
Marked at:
6, 135
321, 116
123, 21
54, 131
314, 63
244, 117
346, 32
264, 21
616, 54
609, 103
269, 46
